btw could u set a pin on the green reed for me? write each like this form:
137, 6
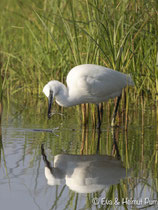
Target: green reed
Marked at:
43, 40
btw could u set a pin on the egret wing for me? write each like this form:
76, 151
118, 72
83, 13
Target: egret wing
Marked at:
105, 84
96, 83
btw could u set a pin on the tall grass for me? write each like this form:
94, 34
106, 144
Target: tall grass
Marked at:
43, 40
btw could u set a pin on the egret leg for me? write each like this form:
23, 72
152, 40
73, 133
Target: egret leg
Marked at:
98, 143
115, 111
101, 111
99, 120
115, 143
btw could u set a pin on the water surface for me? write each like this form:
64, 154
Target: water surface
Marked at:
75, 168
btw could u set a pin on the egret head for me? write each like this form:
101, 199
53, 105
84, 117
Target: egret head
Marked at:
51, 89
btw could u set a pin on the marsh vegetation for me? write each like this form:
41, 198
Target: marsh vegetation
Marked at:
42, 40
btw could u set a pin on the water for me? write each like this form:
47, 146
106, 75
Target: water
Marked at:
87, 172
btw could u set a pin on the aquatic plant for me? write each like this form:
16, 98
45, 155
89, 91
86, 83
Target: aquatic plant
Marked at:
43, 40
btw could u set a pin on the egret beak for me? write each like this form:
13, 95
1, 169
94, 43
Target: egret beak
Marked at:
50, 101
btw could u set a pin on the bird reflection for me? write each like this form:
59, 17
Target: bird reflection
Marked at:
83, 173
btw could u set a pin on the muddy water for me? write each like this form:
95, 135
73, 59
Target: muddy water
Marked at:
59, 164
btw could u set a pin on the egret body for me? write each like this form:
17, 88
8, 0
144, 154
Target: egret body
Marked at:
87, 83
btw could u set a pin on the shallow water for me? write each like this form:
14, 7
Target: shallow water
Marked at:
74, 168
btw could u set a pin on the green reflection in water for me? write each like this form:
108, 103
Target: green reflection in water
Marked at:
137, 146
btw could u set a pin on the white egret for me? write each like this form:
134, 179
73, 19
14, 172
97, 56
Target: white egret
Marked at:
87, 83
